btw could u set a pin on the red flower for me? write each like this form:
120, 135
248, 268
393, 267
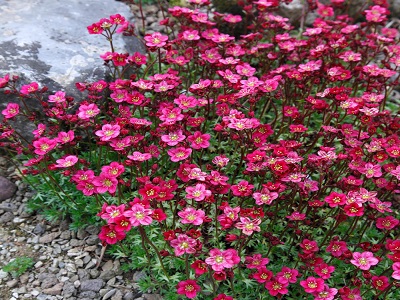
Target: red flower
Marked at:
110, 235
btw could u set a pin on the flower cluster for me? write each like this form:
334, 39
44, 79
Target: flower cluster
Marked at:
243, 158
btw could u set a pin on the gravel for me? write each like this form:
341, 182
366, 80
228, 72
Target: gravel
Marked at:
64, 261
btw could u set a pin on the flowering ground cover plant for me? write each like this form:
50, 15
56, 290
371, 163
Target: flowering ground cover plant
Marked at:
254, 166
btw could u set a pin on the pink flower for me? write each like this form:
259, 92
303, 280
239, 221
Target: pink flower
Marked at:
156, 40
11, 110
66, 162
171, 116
29, 88
88, 111
4, 81
58, 97
248, 226
104, 183
65, 137
198, 193
44, 145
183, 244
173, 138
199, 140
189, 288
138, 156
111, 212
376, 14
220, 260
326, 294
114, 169
371, 170
108, 132
139, 215
178, 154
312, 285
265, 197
192, 216
364, 260
396, 270
190, 35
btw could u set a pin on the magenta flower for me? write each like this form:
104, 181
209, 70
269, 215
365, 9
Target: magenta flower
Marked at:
192, 216
104, 183
220, 260
265, 197
29, 88
199, 140
198, 192
275, 287
387, 223
189, 288
44, 145
364, 261
312, 285
139, 215
371, 170
11, 110
183, 244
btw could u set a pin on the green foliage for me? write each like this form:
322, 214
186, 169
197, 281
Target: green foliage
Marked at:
63, 202
19, 266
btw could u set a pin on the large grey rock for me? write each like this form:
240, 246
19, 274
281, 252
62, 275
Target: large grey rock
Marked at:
7, 188
47, 41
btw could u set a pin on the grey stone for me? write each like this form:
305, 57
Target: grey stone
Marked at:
107, 275
54, 290
49, 282
109, 294
6, 206
92, 229
65, 235
117, 296
12, 283
92, 240
6, 217
81, 234
129, 296
7, 188
48, 238
68, 289
90, 295
39, 229
92, 285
